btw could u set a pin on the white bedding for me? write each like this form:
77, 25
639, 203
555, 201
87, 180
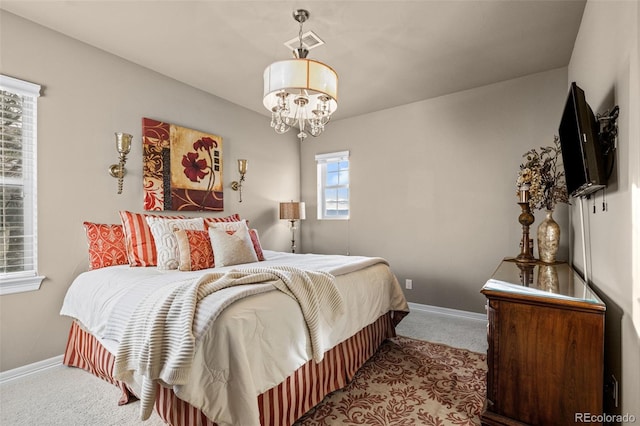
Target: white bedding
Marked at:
256, 342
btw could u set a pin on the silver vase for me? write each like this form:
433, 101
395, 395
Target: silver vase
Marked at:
548, 278
548, 238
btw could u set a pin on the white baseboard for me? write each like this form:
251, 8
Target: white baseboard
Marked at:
25, 370
448, 311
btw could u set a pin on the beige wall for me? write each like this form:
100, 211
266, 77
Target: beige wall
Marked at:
433, 182
87, 96
605, 65
433, 185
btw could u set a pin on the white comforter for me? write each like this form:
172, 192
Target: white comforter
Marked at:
255, 343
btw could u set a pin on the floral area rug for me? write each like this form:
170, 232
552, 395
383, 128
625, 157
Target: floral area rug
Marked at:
409, 382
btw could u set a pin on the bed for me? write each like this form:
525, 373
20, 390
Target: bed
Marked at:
257, 362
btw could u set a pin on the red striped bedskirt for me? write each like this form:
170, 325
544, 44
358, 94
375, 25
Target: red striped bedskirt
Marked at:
279, 406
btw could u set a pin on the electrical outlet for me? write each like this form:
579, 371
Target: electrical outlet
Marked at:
408, 284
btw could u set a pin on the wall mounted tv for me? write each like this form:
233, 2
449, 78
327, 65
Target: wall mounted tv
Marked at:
582, 151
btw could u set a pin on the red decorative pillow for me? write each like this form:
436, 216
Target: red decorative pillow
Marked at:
141, 247
106, 245
195, 250
255, 240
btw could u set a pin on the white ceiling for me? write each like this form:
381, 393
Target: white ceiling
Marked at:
386, 53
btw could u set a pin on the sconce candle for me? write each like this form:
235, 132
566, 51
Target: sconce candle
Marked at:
526, 218
123, 146
524, 193
242, 169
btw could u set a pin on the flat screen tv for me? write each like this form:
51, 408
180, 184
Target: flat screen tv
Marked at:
582, 153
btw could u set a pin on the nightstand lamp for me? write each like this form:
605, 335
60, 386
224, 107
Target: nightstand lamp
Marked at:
292, 211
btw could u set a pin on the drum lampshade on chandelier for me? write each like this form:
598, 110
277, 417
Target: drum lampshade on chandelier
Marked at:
300, 92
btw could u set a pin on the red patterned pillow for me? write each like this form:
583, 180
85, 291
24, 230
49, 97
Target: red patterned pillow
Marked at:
106, 245
195, 250
141, 247
255, 240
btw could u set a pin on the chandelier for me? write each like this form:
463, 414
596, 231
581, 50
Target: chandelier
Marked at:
300, 92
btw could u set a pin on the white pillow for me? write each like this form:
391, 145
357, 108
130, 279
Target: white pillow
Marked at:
166, 243
229, 226
232, 249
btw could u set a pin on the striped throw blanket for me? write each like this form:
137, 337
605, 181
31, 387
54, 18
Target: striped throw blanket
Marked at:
159, 343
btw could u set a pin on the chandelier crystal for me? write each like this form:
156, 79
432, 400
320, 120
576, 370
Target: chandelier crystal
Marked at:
300, 92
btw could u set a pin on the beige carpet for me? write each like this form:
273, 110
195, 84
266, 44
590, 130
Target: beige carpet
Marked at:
64, 396
409, 382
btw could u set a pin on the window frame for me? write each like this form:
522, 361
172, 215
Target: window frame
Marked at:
322, 161
28, 279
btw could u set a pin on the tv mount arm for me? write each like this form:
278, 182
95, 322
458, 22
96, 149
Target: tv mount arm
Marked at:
608, 133
608, 129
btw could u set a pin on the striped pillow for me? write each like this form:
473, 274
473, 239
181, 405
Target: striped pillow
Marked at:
141, 248
106, 245
232, 218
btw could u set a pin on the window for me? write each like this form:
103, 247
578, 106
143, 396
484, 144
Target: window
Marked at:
333, 185
18, 236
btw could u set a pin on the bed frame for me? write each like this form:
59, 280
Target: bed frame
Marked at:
281, 405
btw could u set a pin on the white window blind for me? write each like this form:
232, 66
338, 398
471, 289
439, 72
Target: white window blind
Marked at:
18, 178
333, 185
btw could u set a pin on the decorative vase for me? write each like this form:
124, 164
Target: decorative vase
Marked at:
548, 238
548, 278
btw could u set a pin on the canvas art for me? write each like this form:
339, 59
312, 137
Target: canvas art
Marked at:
182, 168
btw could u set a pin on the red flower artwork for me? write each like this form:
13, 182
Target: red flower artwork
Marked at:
205, 143
194, 169
182, 168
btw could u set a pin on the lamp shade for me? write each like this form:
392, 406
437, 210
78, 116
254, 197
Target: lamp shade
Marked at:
292, 211
295, 76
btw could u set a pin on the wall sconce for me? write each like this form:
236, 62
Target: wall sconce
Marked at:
123, 145
242, 169
292, 211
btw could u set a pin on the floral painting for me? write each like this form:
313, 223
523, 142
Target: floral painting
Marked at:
182, 168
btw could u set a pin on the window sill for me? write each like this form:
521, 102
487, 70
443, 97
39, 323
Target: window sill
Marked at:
20, 285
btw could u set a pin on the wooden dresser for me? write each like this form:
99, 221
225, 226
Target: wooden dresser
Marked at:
546, 346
